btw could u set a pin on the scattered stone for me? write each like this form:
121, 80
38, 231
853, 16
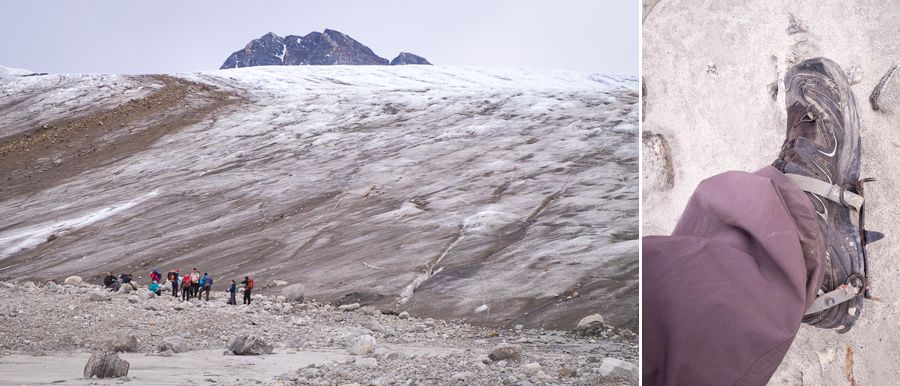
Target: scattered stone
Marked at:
887, 91
404, 315
589, 320
616, 368
795, 26
105, 365
175, 344
362, 345
294, 293
278, 283
100, 296
349, 307
463, 376
122, 342
366, 363
508, 353
566, 372
658, 170
531, 368
249, 345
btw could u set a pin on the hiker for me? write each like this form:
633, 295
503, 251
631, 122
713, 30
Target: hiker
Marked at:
195, 282
187, 290
205, 285
232, 290
110, 282
173, 278
248, 286
155, 288
126, 279
155, 275
754, 255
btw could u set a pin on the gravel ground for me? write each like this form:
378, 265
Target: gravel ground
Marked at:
64, 322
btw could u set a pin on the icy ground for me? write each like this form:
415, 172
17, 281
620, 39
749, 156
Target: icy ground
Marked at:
496, 196
716, 95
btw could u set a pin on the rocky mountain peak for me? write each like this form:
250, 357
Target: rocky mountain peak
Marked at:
408, 58
329, 47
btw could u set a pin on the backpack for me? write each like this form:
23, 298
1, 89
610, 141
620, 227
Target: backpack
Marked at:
250, 284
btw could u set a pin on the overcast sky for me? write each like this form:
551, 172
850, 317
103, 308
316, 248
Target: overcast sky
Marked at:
163, 36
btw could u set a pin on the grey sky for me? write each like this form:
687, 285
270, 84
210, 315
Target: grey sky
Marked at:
163, 36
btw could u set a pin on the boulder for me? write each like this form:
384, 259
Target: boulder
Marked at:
362, 345
404, 315
105, 365
587, 321
566, 372
506, 352
294, 293
100, 296
366, 363
279, 283
531, 368
463, 376
174, 344
122, 342
349, 307
616, 368
73, 281
126, 289
249, 345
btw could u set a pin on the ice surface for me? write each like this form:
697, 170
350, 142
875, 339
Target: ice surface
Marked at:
451, 187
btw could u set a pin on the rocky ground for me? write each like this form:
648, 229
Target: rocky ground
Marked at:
48, 330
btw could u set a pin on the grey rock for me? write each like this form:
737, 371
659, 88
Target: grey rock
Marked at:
362, 345
463, 376
73, 281
293, 293
506, 352
616, 368
349, 307
105, 365
122, 342
366, 363
566, 372
589, 320
531, 368
100, 296
404, 315
174, 344
250, 345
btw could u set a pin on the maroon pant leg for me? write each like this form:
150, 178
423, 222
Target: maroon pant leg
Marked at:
724, 295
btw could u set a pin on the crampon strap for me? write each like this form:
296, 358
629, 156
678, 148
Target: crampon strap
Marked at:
841, 195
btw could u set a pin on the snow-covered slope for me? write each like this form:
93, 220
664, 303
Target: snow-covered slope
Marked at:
500, 196
11, 71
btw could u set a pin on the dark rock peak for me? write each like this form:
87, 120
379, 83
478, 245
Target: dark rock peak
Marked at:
329, 47
408, 58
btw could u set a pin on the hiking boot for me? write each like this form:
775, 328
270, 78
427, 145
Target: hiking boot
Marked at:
821, 154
